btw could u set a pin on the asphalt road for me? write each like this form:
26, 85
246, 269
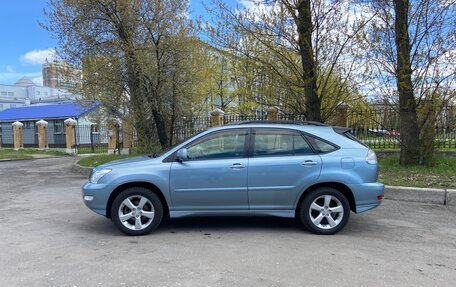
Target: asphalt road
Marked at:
49, 238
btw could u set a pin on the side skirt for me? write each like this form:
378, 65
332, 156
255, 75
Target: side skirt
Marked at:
278, 213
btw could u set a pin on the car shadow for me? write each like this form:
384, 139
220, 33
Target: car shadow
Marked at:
229, 223
103, 226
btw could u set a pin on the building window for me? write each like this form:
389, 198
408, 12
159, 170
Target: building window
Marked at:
58, 127
1, 107
37, 93
10, 93
29, 125
45, 93
4, 93
12, 105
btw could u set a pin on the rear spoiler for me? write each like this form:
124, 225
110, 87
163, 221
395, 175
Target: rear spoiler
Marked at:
348, 133
342, 130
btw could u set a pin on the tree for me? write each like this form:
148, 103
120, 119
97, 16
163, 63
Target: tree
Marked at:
143, 38
413, 45
301, 43
407, 104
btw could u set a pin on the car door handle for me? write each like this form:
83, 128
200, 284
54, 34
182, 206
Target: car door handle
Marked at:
237, 165
309, 163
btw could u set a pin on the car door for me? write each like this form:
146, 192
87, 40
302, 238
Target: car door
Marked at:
281, 164
215, 176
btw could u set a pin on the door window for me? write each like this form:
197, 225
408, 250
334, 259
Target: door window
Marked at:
280, 143
227, 144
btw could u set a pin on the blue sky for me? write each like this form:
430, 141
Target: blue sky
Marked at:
25, 44
21, 34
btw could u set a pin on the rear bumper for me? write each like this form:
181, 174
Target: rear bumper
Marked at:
367, 195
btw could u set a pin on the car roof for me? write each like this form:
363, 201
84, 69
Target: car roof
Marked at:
272, 124
280, 122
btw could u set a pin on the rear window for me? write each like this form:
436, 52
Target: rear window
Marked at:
321, 146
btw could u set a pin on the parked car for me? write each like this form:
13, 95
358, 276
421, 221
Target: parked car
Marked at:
306, 170
383, 132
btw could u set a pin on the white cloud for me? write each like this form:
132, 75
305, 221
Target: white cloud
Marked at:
9, 69
38, 57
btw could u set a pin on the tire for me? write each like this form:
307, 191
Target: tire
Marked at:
319, 217
137, 211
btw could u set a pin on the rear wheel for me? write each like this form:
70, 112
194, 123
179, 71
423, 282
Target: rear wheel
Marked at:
137, 211
324, 211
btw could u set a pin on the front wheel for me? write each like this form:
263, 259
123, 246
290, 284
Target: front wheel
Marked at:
324, 211
137, 211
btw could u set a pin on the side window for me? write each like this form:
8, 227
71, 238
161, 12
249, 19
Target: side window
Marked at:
321, 146
229, 144
276, 143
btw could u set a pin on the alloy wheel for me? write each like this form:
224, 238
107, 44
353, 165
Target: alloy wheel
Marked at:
326, 212
136, 212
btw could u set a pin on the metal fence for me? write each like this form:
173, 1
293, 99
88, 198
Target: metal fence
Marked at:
92, 139
187, 127
378, 128
30, 137
6, 136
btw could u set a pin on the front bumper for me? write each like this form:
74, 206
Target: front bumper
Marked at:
100, 195
367, 195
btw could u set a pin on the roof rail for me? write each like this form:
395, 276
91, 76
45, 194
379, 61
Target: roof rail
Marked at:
282, 122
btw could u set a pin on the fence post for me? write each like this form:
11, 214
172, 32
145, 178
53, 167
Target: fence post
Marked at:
273, 114
92, 131
18, 135
217, 117
341, 118
127, 137
113, 136
70, 136
42, 135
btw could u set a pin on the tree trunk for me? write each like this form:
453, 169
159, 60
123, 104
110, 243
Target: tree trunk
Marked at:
160, 124
304, 27
141, 118
173, 112
410, 147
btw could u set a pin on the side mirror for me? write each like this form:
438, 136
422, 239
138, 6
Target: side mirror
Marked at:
182, 155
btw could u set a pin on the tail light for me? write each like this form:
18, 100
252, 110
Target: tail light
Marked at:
371, 157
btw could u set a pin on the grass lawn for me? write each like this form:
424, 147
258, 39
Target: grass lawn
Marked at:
96, 160
9, 153
441, 175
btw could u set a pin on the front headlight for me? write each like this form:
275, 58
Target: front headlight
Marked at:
97, 175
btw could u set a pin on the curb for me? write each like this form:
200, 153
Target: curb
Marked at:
82, 169
422, 195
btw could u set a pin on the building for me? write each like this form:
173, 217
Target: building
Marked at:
25, 92
60, 75
55, 115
